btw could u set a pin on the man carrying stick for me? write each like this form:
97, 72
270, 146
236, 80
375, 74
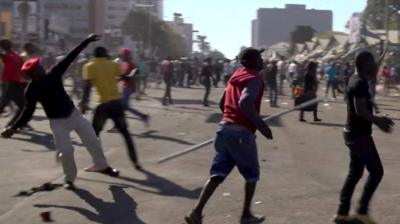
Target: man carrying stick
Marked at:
235, 143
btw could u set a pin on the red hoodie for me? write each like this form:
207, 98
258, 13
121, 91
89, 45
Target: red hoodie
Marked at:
233, 91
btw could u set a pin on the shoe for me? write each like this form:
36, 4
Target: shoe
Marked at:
193, 218
302, 120
342, 219
363, 219
138, 167
69, 185
252, 219
317, 120
110, 171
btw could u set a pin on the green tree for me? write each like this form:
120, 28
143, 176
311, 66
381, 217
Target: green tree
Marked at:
374, 14
164, 41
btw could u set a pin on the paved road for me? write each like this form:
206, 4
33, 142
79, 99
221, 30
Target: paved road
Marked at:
302, 169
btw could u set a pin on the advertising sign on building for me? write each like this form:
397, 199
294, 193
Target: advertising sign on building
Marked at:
355, 26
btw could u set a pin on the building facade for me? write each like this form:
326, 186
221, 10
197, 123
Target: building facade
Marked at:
157, 9
273, 25
185, 30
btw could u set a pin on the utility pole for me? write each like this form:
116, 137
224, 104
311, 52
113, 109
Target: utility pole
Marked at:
387, 21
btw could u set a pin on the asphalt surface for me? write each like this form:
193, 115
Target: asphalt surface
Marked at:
302, 169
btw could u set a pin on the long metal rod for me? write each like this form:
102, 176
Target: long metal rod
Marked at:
205, 143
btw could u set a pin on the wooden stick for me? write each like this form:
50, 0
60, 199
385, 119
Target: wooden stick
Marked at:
200, 145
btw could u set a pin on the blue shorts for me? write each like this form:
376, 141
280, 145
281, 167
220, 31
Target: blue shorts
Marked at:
235, 148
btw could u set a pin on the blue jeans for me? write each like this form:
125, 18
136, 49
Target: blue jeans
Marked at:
126, 93
235, 148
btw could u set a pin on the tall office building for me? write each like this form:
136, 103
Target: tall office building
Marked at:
273, 25
157, 9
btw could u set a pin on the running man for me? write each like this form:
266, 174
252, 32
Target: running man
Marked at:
103, 74
358, 138
235, 143
48, 89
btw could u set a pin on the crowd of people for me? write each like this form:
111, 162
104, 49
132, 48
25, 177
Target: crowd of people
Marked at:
29, 79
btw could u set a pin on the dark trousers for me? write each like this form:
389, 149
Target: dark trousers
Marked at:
13, 92
115, 111
273, 93
363, 154
207, 86
167, 95
331, 84
217, 79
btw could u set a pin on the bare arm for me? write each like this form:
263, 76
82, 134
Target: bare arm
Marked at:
384, 123
222, 103
248, 107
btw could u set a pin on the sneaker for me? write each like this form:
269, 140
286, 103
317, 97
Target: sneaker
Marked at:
317, 120
69, 185
302, 120
364, 219
252, 219
193, 218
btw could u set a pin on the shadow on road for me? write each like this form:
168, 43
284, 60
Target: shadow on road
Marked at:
40, 138
122, 210
327, 124
157, 184
187, 101
152, 135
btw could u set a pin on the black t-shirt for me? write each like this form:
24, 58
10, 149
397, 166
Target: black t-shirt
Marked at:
356, 125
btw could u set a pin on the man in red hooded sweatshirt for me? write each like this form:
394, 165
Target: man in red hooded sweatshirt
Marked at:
235, 143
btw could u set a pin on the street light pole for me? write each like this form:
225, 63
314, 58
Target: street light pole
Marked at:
387, 22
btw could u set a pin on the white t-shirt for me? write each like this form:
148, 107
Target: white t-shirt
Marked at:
293, 68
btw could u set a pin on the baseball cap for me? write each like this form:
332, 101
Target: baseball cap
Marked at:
31, 65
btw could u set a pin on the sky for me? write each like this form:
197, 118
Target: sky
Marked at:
227, 23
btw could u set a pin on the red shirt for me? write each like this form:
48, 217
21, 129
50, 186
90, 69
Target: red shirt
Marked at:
127, 68
12, 67
233, 91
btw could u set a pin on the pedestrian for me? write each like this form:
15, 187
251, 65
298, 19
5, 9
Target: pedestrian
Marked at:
271, 79
206, 78
358, 138
385, 75
293, 71
167, 71
14, 83
282, 74
310, 90
235, 143
128, 83
348, 72
102, 73
47, 88
218, 70
331, 80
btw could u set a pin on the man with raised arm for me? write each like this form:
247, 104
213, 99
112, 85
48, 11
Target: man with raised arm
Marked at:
47, 88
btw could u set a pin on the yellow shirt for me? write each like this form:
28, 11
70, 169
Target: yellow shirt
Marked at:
102, 73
